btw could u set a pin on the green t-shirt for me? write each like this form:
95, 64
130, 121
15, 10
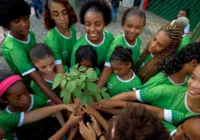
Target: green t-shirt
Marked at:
101, 49
116, 85
36, 90
161, 78
61, 45
9, 123
16, 54
169, 97
36, 102
120, 40
185, 41
146, 60
170, 128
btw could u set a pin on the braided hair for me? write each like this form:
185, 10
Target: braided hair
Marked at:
174, 63
151, 68
122, 54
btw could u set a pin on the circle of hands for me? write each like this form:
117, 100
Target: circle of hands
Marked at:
89, 131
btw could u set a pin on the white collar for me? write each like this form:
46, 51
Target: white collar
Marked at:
30, 108
64, 35
95, 44
128, 43
24, 42
125, 81
177, 84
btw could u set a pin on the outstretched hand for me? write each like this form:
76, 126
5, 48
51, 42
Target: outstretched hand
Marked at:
87, 131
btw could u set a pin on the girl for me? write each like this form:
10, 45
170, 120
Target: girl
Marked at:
133, 22
87, 56
42, 58
95, 15
181, 100
9, 122
14, 16
164, 43
176, 68
14, 92
123, 78
59, 19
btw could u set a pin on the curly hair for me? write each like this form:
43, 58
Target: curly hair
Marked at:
122, 54
174, 63
86, 52
99, 6
133, 11
49, 23
11, 10
151, 68
137, 123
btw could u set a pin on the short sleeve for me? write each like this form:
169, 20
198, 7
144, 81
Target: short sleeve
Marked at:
109, 53
21, 61
149, 95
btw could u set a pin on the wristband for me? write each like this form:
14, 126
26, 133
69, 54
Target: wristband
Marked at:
98, 138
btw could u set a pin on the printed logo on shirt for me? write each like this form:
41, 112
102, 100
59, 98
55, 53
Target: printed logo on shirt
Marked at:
65, 53
109, 85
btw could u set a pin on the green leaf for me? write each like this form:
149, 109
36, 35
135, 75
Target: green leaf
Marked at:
75, 66
98, 97
78, 82
91, 75
104, 89
71, 86
57, 80
64, 92
63, 82
91, 86
67, 98
82, 77
89, 100
83, 100
78, 93
82, 68
106, 95
82, 86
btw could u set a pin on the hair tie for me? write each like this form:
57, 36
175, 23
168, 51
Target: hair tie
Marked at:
6, 83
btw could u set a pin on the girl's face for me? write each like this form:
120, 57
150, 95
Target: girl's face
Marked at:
133, 26
94, 26
190, 66
45, 66
189, 130
194, 84
20, 26
159, 43
59, 15
182, 14
18, 95
120, 68
87, 63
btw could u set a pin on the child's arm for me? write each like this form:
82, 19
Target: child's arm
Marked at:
126, 96
90, 110
60, 69
73, 121
41, 113
104, 76
35, 76
110, 104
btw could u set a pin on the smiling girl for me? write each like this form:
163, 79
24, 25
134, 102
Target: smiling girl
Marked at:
95, 15
59, 19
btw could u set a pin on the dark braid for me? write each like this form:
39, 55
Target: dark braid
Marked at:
151, 68
174, 63
122, 54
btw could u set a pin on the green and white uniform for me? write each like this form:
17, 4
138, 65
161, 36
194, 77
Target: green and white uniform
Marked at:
36, 90
161, 78
170, 128
185, 41
121, 40
116, 85
146, 60
9, 123
61, 45
101, 49
169, 97
33, 128
16, 54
